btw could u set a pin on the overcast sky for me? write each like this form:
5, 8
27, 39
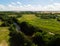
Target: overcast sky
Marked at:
29, 5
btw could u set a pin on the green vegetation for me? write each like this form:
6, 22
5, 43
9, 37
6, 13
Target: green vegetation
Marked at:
1, 22
4, 33
44, 24
29, 29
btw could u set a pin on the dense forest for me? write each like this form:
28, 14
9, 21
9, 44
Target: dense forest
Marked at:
29, 29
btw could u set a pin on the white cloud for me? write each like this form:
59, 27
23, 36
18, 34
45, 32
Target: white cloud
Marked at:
19, 3
2, 7
13, 3
15, 7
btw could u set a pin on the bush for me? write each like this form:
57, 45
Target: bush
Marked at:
38, 39
55, 41
58, 19
49, 16
28, 29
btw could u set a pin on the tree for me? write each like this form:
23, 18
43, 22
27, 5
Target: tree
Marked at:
38, 39
55, 41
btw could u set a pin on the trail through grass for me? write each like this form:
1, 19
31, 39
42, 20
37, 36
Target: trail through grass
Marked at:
4, 36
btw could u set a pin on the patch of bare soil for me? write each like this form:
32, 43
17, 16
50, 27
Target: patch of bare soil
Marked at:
3, 43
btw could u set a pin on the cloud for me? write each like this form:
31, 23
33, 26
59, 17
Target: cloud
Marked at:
17, 6
51, 0
13, 3
19, 3
2, 7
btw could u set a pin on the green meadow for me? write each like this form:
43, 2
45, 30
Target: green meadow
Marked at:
29, 29
44, 24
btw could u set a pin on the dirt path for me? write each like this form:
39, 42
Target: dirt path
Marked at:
3, 43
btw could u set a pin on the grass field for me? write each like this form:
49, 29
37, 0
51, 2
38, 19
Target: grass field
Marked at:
1, 22
51, 25
4, 36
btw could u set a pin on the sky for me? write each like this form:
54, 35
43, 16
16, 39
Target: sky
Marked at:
29, 5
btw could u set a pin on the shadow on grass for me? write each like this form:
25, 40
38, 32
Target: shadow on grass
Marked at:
28, 29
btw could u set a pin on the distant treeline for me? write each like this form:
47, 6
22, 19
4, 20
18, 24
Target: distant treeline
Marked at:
28, 12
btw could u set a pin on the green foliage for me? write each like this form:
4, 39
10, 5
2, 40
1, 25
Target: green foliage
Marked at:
48, 16
38, 39
33, 29
19, 38
55, 40
58, 18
